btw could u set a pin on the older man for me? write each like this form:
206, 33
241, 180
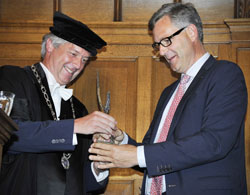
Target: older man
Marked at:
48, 155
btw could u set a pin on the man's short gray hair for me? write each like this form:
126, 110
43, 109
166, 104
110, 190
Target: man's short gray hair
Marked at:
56, 42
181, 15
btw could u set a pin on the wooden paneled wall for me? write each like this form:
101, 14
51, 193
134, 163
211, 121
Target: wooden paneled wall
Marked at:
106, 10
128, 67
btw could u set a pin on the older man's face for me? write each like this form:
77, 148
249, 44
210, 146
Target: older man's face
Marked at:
66, 61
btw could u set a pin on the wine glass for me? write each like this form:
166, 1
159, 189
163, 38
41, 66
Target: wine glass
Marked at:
6, 101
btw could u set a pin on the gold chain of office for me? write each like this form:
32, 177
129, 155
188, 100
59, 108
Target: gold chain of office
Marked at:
66, 156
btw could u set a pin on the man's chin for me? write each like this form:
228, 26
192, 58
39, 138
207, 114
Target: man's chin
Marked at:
173, 67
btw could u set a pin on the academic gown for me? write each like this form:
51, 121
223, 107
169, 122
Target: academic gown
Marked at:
32, 158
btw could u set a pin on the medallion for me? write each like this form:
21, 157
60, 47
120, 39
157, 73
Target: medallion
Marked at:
65, 161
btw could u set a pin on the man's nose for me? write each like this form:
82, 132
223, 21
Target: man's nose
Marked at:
78, 63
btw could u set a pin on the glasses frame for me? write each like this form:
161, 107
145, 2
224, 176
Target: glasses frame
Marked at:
156, 45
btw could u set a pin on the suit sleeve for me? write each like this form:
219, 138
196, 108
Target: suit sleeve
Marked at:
46, 136
91, 184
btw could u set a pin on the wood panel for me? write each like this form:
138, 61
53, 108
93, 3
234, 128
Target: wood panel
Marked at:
89, 10
143, 112
214, 9
120, 187
26, 10
19, 51
124, 185
141, 10
117, 76
103, 11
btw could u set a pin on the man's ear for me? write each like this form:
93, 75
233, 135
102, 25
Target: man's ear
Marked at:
49, 46
192, 32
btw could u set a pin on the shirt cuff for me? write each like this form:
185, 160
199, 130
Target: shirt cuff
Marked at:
141, 156
74, 141
102, 175
125, 139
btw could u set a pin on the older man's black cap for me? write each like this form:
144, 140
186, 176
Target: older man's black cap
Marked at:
76, 32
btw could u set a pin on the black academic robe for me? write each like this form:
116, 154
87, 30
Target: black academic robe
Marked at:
32, 159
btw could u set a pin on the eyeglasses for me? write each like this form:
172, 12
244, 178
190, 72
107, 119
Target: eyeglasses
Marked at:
165, 42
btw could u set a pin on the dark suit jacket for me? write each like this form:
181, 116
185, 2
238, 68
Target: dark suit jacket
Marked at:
204, 150
32, 159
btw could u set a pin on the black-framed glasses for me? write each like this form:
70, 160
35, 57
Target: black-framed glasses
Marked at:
165, 42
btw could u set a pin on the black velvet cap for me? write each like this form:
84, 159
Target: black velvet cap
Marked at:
76, 32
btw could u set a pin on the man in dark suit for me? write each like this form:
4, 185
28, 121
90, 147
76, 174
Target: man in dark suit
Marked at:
48, 155
199, 148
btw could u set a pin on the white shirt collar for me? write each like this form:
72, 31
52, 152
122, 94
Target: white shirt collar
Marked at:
57, 91
194, 69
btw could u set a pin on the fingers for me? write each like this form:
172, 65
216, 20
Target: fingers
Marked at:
100, 148
96, 122
105, 119
99, 158
104, 166
118, 136
100, 137
102, 154
106, 116
96, 168
103, 123
102, 162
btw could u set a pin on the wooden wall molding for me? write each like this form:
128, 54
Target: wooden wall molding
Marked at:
239, 29
117, 33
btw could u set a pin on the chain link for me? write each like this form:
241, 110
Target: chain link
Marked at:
49, 104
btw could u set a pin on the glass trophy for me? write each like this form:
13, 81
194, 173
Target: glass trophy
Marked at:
6, 101
103, 108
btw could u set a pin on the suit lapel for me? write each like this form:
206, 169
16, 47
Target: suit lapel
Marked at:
195, 83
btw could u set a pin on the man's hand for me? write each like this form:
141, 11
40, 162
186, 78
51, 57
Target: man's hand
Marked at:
122, 156
117, 137
96, 122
